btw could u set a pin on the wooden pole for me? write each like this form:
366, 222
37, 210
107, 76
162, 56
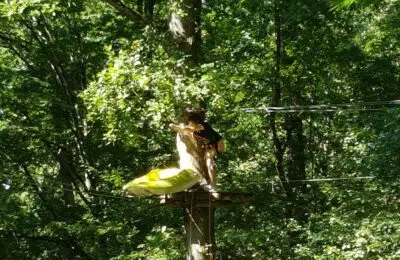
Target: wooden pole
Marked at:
199, 229
199, 233
199, 217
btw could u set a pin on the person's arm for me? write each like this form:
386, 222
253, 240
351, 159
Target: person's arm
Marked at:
191, 127
194, 127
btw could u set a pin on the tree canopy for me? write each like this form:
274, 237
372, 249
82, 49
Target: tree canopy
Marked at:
305, 94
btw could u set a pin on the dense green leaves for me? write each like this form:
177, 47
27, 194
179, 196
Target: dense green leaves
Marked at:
88, 88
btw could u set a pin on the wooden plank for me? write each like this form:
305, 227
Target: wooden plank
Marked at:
206, 199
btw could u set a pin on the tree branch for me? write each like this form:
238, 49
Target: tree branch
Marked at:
68, 243
126, 11
61, 78
9, 45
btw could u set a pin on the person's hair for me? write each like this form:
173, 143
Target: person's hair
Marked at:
195, 115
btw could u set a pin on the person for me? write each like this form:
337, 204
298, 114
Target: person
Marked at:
211, 141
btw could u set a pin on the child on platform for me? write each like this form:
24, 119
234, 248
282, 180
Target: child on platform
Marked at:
212, 142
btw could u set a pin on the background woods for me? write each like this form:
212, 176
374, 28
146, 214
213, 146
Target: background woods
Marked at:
88, 89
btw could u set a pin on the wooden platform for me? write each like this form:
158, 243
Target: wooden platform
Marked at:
199, 217
204, 199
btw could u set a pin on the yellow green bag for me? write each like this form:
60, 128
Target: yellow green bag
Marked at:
162, 181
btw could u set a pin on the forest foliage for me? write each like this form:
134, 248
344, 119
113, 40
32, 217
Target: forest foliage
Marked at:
88, 88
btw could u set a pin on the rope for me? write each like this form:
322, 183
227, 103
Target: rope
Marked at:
192, 220
209, 225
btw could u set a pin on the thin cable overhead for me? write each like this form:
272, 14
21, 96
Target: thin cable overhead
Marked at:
95, 194
334, 179
359, 106
109, 195
113, 196
70, 187
148, 209
359, 178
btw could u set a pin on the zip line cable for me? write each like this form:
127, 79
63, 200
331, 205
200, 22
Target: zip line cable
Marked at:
95, 194
360, 106
333, 179
147, 209
72, 188
270, 110
371, 103
150, 208
110, 195
295, 110
284, 109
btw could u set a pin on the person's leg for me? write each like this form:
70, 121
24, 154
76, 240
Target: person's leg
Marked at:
211, 169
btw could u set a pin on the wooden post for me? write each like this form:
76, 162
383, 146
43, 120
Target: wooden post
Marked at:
199, 217
199, 233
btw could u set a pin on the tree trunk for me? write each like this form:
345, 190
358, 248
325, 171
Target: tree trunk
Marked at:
296, 147
294, 142
185, 28
64, 158
279, 144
